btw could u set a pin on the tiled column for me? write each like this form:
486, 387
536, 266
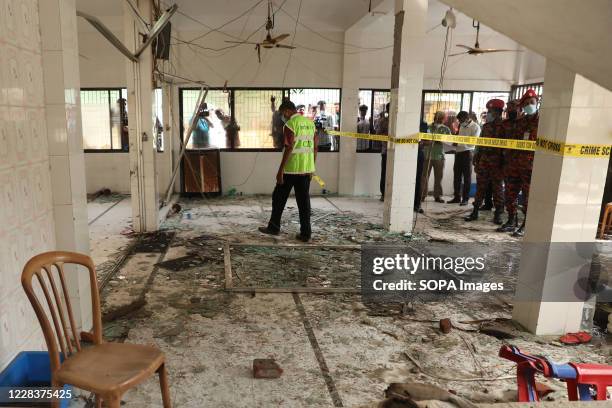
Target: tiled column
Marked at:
406, 89
143, 176
564, 200
60, 60
350, 104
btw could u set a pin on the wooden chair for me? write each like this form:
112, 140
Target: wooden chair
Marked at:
106, 369
606, 221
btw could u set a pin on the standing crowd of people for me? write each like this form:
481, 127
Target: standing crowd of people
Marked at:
501, 174
323, 120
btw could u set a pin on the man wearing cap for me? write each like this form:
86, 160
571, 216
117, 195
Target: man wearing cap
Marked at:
509, 129
488, 162
295, 170
519, 171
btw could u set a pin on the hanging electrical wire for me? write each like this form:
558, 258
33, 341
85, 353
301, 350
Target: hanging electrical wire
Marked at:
317, 33
448, 41
297, 20
217, 29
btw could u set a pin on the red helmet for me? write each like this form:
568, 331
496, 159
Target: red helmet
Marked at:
495, 103
530, 93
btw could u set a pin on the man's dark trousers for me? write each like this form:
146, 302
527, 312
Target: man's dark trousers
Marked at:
301, 183
462, 170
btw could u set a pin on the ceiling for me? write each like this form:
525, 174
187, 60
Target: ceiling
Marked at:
328, 14
575, 34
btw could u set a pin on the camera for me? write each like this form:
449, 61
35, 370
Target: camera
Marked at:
318, 124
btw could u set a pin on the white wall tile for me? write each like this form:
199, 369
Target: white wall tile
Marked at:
26, 219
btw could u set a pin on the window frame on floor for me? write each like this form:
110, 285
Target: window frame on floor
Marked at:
122, 93
286, 92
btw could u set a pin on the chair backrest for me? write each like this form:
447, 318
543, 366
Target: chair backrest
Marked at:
60, 332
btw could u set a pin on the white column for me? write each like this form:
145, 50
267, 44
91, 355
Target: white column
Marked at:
60, 59
350, 105
143, 176
406, 89
564, 200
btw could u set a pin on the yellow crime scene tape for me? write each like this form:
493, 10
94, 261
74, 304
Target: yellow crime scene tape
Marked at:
565, 149
319, 180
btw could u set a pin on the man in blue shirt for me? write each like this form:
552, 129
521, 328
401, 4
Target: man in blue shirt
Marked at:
200, 137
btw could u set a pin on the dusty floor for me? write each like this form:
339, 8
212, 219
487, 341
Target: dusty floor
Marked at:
334, 350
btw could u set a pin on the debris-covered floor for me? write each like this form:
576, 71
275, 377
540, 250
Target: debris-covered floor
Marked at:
334, 351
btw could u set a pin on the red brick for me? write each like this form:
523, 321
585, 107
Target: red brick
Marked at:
266, 368
445, 326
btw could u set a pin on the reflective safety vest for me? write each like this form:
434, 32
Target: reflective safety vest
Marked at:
301, 160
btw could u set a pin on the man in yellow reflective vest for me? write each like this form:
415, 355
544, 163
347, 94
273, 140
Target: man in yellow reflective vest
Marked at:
295, 170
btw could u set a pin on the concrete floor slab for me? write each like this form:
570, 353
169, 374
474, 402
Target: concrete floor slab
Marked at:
210, 337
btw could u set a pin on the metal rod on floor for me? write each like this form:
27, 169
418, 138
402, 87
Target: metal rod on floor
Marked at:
292, 290
314, 246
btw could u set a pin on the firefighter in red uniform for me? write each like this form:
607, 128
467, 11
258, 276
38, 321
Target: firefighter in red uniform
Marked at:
510, 131
488, 163
521, 165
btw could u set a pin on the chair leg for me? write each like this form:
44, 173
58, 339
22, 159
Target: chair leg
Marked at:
98, 401
113, 401
164, 385
55, 402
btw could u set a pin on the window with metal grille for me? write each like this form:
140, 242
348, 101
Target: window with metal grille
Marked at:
452, 102
375, 100
480, 99
252, 111
104, 119
517, 91
323, 107
210, 133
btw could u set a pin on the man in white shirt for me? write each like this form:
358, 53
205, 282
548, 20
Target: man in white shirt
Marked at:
462, 170
363, 126
325, 121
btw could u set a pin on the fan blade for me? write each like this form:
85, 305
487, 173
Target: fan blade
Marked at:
464, 46
285, 46
279, 38
459, 53
486, 50
241, 42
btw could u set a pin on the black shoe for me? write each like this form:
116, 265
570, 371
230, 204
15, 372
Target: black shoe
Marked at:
462, 203
382, 198
497, 217
473, 215
486, 207
520, 231
267, 230
302, 238
439, 200
419, 210
455, 200
510, 225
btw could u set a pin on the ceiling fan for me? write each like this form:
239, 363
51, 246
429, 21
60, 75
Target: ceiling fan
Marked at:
476, 50
269, 41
